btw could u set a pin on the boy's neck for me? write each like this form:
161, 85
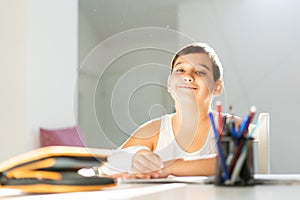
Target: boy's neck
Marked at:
191, 115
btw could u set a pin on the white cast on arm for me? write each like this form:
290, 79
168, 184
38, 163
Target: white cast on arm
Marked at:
121, 160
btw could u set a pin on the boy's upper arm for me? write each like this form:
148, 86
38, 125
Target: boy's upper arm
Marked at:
146, 135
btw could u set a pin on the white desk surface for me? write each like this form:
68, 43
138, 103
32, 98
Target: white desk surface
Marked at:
173, 191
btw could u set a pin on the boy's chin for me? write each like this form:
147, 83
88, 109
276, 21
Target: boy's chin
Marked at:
184, 97
187, 99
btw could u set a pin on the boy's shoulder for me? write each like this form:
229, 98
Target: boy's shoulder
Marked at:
150, 128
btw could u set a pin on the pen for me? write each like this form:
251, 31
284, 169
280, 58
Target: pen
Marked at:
242, 140
220, 123
241, 159
250, 118
221, 155
242, 126
239, 164
254, 129
231, 126
233, 131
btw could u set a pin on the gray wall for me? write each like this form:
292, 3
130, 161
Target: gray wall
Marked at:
111, 102
257, 41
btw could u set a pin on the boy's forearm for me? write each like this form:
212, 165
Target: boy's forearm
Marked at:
199, 167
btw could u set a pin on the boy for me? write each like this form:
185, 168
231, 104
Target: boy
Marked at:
182, 143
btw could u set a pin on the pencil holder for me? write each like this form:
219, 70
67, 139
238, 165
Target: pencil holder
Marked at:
237, 167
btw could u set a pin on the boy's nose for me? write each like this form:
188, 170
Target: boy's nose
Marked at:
188, 79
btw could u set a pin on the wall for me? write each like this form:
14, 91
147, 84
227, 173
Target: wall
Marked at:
258, 42
104, 118
39, 72
12, 77
52, 65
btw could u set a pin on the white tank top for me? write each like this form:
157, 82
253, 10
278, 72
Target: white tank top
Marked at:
168, 149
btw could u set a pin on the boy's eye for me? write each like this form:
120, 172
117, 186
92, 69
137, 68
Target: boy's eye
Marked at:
179, 70
201, 73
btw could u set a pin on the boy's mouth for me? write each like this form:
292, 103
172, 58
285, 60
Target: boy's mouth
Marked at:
187, 87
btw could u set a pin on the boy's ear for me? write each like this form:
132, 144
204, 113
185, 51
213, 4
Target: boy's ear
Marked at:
218, 87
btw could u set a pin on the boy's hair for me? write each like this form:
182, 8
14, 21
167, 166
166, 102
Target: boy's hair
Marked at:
202, 48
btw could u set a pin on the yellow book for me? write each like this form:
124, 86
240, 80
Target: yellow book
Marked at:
54, 169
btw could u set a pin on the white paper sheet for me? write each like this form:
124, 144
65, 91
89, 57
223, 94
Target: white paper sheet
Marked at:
171, 179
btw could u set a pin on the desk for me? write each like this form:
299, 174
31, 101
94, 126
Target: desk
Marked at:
173, 191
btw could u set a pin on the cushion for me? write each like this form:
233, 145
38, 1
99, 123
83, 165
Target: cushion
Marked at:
70, 136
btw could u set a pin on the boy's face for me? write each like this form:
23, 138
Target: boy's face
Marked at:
192, 78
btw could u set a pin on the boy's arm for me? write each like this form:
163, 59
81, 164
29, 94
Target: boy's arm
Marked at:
178, 167
181, 167
145, 163
146, 135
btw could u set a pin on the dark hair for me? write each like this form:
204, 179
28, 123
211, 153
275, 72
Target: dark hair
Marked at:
202, 48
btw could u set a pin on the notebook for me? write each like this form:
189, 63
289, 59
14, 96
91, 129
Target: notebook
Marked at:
54, 169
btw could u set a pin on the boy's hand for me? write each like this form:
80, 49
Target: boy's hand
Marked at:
146, 164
